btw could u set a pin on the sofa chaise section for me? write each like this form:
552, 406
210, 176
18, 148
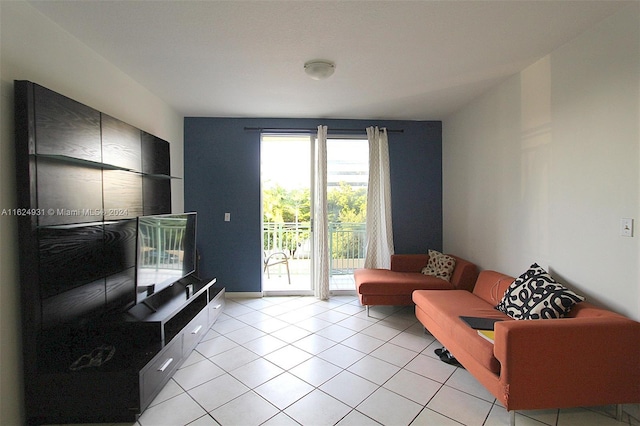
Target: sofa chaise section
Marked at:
394, 286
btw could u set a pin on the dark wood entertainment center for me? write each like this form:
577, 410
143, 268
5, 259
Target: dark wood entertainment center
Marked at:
91, 354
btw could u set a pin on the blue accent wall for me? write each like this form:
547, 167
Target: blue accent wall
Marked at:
222, 174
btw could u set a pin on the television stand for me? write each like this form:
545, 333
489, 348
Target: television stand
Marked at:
148, 305
150, 340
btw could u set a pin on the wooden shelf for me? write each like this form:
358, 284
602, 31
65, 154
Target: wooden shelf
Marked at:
173, 308
98, 165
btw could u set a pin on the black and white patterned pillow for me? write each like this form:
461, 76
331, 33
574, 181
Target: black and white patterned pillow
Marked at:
535, 295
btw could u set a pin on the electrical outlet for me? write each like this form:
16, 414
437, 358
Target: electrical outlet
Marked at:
227, 217
626, 227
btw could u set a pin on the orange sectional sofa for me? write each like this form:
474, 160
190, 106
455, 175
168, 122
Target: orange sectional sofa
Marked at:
590, 357
394, 286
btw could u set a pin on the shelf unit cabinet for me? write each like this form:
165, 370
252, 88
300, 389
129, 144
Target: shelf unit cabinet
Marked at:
83, 178
178, 318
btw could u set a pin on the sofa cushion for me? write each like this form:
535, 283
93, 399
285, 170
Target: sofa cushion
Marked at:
491, 286
386, 282
446, 307
408, 262
439, 265
536, 295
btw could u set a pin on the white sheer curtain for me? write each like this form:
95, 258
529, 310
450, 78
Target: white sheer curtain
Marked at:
379, 233
321, 220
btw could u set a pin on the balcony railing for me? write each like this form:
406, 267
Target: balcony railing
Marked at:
161, 243
346, 243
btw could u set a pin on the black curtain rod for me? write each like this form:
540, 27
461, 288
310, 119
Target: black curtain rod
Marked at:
309, 130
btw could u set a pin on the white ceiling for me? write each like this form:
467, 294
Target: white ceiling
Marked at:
414, 60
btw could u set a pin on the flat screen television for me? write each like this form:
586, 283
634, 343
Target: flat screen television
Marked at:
166, 252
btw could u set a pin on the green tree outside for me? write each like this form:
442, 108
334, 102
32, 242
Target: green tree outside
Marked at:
346, 206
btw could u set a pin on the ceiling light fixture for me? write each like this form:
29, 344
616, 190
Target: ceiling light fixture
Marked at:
319, 69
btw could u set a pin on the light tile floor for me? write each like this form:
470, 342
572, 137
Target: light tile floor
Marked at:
283, 361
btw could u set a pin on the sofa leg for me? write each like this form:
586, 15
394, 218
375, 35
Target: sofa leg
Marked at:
619, 412
367, 306
512, 418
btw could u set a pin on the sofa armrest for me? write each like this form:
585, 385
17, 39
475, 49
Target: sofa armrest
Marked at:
464, 275
409, 262
594, 361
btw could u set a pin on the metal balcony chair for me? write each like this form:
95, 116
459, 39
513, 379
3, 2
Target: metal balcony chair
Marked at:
277, 258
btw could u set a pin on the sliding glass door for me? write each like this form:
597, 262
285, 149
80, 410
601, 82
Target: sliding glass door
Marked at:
286, 173
347, 178
287, 211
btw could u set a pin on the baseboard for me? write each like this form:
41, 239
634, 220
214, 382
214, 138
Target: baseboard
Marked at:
243, 294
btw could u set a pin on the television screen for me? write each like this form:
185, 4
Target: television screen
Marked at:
166, 251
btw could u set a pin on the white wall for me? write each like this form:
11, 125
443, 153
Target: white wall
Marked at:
34, 48
543, 167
